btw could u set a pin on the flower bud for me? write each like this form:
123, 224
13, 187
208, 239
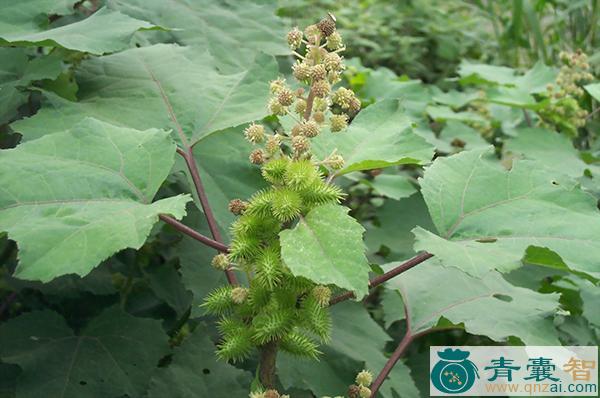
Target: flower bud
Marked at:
296, 130
322, 294
300, 107
294, 38
285, 97
320, 104
321, 88
333, 77
364, 378
300, 144
364, 392
255, 133
272, 394
334, 41
237, 206
355, 105
257, 156
343, 97
336, 162
319, 117
333, 62
273, 144
354, 391
338, 122
239, 294
318, 72
220, 262
301, 71
309, 129
312, 33
276, 108
276, 85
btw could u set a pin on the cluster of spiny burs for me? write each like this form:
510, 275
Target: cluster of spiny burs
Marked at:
276, 307
562, 109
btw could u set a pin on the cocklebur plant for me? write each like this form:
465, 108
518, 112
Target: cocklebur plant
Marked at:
562, 109
278, 310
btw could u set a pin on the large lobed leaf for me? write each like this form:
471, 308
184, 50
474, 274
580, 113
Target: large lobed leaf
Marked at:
88, 35
233, 31
112, 356
470, 197
380, 136
549, 148
326, 247
488, 306
161, 86
72, 199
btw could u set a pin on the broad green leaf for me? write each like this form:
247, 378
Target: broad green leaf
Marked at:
161, 86
481, 73
326, 247
16, 73
594, 90
195, 372
536, 79
351, 324
380, 136
88, 35
551, 149
487, 306
511, 96
233, 32
469, 199
72, 199
457, 136
455, 99
23, 16
391, 237
111, 356
167, 285
443, 113
394, 186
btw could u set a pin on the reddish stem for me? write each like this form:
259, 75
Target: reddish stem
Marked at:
378, 280
309, 104
188, 156
194, 234
404, 343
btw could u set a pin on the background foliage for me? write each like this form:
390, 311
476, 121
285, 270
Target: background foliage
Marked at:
90, 109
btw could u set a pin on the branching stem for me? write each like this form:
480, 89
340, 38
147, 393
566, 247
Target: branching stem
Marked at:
378, 280
181, 227
188, 156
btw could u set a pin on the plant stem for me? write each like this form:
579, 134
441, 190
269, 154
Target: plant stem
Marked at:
268, 357
404, 343
194, 234
309, 104
378, 280
188, 156
527, 118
